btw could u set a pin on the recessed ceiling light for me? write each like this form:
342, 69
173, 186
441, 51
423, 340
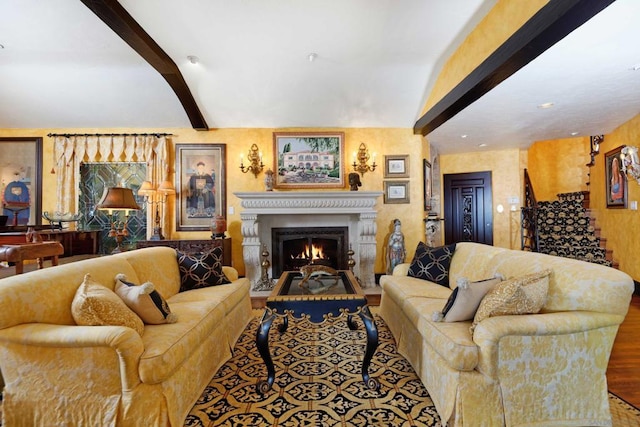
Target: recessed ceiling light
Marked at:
312, 56
193, 59
635, 67
482, 145
546, 105
574, 133
464, 136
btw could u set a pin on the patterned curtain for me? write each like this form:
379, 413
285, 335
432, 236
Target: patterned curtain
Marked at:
70, 151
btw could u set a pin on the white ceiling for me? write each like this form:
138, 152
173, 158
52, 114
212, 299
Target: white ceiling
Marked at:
62, 67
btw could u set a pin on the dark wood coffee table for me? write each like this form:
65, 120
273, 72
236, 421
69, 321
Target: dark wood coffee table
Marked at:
321, 299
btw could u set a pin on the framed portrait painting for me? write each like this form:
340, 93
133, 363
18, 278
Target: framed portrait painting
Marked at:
21, 173
308, 160
201, 185
427, 184
615, 179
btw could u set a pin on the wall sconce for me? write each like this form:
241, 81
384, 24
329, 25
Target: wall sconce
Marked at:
118, 199
594, 143
361, 159
156, 197
255, 161
630, 162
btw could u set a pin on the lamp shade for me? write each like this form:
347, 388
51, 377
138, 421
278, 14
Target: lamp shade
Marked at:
146, 189
118, 198
166, 187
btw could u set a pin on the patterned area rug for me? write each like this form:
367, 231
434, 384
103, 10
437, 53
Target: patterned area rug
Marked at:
319, 383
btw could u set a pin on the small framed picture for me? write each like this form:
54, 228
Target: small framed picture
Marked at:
396, 166
396, 192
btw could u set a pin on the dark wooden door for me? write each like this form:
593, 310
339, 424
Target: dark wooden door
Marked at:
468, 214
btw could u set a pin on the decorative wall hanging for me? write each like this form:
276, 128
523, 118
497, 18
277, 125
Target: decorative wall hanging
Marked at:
630, 162
396, 192
309, 160
396, 166
201, 185
615, 182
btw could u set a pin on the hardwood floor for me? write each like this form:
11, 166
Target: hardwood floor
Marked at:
623, 373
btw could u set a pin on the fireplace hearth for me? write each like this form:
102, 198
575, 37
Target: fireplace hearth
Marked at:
296, 247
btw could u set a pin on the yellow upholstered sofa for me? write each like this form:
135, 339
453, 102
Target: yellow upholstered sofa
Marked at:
59, 373
536, 369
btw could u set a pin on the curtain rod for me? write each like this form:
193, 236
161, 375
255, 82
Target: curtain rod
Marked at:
67, 135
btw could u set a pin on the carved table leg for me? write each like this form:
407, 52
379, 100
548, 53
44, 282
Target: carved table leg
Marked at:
351, 324
262, 342
372, 345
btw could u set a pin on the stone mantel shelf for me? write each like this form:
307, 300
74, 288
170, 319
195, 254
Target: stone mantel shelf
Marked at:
311, 202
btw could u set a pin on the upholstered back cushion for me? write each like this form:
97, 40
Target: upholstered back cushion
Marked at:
157, 265
472, 261
574, 285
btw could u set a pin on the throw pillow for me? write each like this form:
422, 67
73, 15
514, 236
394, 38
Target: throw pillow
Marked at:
97, 305
201, 270
465, 299
432, 263
145, 301
519, 295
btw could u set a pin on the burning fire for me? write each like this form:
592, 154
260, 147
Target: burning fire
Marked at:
315, 252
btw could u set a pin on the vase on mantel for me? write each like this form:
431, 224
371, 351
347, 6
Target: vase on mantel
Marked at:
268, 180
218, 227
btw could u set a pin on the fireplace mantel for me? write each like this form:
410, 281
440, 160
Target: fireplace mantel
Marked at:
264, 210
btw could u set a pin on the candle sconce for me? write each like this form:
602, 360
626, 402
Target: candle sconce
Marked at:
361, 160
255, 161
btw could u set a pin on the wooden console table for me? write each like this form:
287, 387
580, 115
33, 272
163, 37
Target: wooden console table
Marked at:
193, 246
74, 242
19, 253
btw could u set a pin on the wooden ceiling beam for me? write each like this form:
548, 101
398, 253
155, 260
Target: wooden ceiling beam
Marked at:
118, 19
549, 25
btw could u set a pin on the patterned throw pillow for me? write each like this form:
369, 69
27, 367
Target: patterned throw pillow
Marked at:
145, 301
519, 295
465, 299
432, 263
97, 305
201, 270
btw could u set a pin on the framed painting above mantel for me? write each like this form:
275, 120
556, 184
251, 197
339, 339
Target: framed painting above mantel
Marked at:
21, 177
309, 160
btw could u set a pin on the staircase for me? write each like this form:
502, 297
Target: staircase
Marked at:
565, 228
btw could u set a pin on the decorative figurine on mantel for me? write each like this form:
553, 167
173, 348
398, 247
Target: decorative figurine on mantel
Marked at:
354, 181
396, 251
268, 180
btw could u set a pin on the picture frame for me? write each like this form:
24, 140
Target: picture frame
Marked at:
396, 192
396, 166
427, 184
201, 185
21, 172
308, 160
615, 179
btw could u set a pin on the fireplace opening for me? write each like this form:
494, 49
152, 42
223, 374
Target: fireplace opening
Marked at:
293, 248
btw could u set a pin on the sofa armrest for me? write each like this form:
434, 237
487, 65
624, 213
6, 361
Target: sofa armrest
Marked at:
125, 342
401, 269
230, 272
563, 326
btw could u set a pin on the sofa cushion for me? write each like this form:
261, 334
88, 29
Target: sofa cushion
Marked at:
452, 341
400, 288
145, 301
201, 270
519, 295
96, 305
432, 263
465, 299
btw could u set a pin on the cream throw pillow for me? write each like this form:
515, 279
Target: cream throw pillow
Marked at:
145, 301
465, 299
519, 295
97, 305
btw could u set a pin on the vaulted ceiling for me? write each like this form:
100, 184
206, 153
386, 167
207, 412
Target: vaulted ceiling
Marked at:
304, 63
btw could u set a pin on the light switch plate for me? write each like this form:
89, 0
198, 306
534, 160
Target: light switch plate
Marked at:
633, 205
231, 210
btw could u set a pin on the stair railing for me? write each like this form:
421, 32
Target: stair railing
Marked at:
529, 217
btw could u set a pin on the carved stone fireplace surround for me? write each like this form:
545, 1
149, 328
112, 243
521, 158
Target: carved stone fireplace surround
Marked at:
262, 211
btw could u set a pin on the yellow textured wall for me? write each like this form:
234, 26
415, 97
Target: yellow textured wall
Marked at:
501, 22
506, 181
559, 166
379, 140
620, 226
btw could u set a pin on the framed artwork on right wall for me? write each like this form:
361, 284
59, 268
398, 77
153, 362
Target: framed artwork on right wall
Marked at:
615, 179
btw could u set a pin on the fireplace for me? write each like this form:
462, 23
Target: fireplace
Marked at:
295, 247
296, 210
